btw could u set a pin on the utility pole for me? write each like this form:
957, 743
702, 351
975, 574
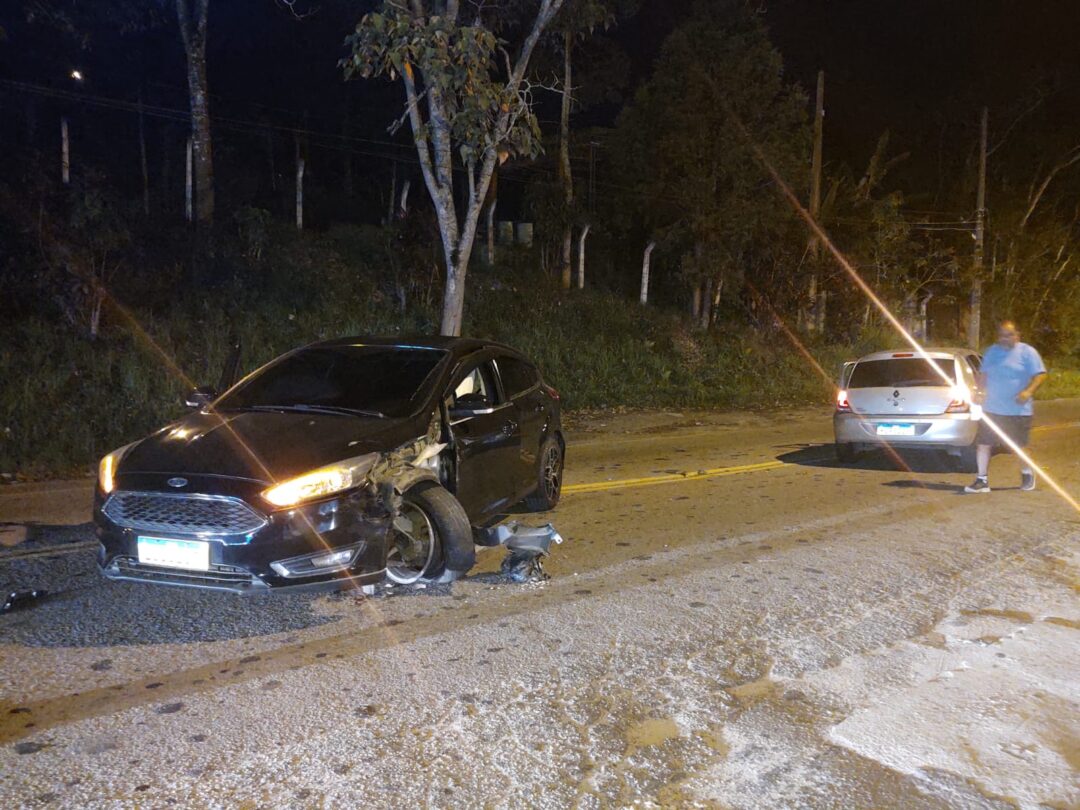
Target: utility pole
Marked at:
975, 316
815, 320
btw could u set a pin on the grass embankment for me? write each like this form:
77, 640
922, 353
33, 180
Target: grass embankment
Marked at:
64, 400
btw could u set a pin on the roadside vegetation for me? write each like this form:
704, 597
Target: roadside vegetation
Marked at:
646, 259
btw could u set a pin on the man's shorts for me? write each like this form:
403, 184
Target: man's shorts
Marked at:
1017, 428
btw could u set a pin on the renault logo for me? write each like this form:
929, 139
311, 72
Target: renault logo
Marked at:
177, 482
896, 395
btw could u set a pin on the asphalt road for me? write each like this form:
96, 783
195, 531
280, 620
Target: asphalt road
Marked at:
734, 621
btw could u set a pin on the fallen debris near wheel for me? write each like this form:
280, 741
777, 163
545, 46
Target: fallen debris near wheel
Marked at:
21, 599
526, 546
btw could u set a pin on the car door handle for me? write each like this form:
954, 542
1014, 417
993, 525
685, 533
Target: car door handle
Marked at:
510, 427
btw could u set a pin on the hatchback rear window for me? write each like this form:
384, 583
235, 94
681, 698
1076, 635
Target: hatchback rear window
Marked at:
907, 372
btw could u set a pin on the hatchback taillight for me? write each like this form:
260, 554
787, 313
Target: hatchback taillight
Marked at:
552, 392
961, 400
842, 403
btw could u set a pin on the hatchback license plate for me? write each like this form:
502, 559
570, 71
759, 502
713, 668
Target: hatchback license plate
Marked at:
896, 430
190, 554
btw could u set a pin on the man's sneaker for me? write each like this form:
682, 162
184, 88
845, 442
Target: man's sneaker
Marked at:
1027, 481
979, 486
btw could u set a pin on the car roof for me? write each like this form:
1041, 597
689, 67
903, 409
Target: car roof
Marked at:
939, 353
456, 346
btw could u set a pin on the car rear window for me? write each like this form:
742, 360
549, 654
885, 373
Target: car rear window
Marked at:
386, 379
902, 372
517, 375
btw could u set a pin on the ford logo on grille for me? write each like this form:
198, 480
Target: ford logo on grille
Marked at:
177, 482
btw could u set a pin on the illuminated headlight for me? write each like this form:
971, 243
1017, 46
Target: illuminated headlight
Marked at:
107, 468
322, 482
324, 562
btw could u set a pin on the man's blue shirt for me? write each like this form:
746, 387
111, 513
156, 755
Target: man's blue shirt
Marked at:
1008, 372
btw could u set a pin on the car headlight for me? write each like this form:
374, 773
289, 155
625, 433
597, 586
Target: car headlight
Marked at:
321, 482
107, 468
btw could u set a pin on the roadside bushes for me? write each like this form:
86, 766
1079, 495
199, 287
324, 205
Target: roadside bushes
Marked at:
66, 399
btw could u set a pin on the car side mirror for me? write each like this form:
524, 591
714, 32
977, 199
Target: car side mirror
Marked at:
200, 397
470, 404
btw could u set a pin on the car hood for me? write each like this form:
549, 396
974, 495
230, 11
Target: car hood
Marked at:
264, 446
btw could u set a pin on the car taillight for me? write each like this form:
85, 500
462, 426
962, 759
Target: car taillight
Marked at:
552, 392
842, 403
961, 401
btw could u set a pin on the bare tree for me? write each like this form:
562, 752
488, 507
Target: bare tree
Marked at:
459, 98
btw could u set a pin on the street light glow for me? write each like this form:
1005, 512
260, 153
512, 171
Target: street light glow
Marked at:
77, 75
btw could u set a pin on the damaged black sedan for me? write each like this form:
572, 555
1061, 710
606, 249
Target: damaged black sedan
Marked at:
338, 464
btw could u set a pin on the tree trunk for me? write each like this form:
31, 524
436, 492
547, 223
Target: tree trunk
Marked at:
645, 272
695, 303
193, 33
565, 176
581, 257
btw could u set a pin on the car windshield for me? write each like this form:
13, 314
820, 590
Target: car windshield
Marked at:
373, 380
902, 372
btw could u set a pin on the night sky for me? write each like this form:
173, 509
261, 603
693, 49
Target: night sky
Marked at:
920, 68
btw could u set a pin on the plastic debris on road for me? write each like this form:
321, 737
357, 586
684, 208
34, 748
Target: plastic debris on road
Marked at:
526, 546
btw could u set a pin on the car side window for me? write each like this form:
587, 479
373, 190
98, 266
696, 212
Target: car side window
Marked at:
476, 389
517, 375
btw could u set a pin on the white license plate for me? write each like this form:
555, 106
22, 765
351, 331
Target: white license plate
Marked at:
896, 430
190, 554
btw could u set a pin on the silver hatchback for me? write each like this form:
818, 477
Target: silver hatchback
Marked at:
903, 399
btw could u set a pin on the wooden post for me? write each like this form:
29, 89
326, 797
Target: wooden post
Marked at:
142, 161
975, 318
581, 257
299, 193
491, 231
65, 152
188, 208
817, 301
645, 272
393, 194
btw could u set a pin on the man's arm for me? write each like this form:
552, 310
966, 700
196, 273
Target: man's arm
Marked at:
1032, 387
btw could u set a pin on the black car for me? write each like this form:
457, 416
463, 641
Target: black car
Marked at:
337, 464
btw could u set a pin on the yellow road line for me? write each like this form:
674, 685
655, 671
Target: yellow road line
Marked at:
716, 472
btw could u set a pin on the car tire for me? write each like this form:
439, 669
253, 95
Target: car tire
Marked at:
846, 452
445, 525
549, 475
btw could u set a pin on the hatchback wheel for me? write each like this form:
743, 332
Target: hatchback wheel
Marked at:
549, 478
430, 538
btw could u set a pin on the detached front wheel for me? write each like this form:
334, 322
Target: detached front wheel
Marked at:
550, 476
430, 538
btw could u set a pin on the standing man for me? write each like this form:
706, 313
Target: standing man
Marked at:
1010, 374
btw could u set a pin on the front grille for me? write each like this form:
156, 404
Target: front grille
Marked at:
219, 575
182, 514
